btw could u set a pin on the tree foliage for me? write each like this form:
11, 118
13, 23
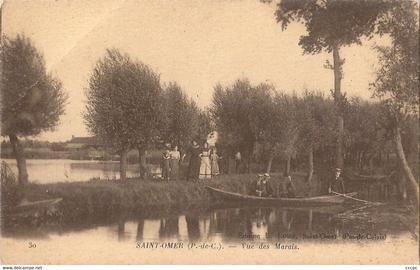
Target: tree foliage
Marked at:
32, 99
204, 124
330, 25
331, 22
124, 102
315, 119
241, 113
182, 116
367, 132
397, 81
281, 134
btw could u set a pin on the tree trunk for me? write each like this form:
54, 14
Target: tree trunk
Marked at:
310, 164
371, 165
227, 163
380, 159
20, 159
270, 162
406, 168
337, 97
142, 162
359, 161
249, 159
123, 164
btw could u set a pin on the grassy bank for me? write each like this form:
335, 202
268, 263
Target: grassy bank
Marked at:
101, 199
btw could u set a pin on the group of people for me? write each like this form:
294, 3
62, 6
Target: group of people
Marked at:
203, 162
171, 160
262, 187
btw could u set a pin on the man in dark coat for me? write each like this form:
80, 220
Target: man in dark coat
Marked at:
194, 164
262, 186
337, 183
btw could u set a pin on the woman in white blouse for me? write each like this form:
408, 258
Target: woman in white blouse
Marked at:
175, 159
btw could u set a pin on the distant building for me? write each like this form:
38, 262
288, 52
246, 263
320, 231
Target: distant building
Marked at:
82, 142
85, 148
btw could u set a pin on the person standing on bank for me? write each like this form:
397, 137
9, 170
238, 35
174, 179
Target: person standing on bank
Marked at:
205, 167
165, 165
288, 188
175, 160
214, 159
194, 163
238, 160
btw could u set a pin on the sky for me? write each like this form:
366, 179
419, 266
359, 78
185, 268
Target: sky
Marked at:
197, 43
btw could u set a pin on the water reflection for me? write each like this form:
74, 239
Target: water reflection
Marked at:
140, 227
238, 224
193, 227
168, 228
121, 230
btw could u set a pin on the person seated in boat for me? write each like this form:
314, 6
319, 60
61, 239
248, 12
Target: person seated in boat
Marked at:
262, 186
337, 183
288, 188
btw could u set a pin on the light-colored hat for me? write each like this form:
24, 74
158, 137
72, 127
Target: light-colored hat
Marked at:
266, 175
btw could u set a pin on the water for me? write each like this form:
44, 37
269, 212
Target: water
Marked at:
61, 170
232, 230
237, 224
388, 228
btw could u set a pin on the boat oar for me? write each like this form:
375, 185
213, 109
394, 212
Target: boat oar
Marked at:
359, 200
354, 210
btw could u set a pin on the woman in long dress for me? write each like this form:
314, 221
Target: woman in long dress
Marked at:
194, 164
205, 166
175, 159
214, 158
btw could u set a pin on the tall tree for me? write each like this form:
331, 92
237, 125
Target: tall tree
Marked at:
280, 133
181, 116
366, 137
124, 104
315, 117
204, 124
32, 99
241, 113
397, 82
330, 25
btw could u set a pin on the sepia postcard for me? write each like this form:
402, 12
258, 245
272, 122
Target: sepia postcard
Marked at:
244, 132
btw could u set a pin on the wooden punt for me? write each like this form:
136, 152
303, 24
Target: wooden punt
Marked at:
300, 201
36, 208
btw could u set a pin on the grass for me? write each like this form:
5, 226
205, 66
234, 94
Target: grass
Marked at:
103, 199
